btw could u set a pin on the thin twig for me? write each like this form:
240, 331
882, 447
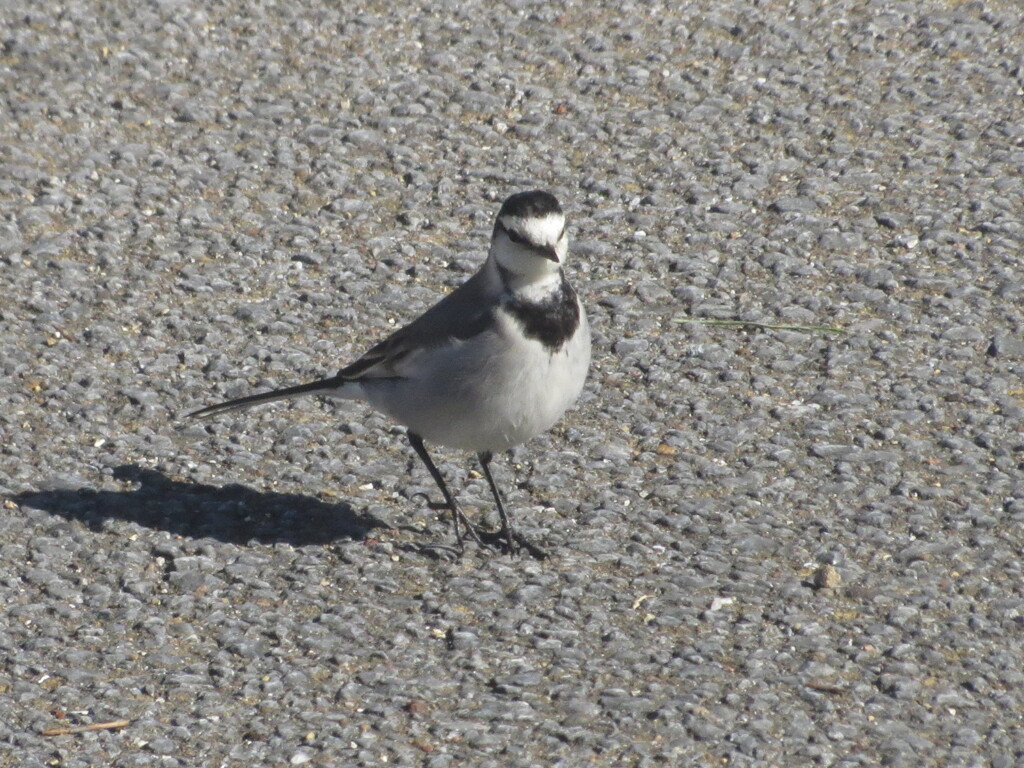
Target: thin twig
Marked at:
752, 324
113, 724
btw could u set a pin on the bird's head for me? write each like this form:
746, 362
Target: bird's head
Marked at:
529, 242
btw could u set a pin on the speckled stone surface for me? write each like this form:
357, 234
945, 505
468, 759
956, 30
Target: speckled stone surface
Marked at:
785, 519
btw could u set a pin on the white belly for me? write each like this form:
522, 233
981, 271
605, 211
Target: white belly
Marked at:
488, 393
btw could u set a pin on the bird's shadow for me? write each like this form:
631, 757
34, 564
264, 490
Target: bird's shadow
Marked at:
232, 513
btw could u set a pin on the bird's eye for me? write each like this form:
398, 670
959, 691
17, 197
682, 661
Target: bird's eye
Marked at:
515, 237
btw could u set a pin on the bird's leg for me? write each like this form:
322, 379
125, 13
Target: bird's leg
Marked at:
512, 537
457, 516
507, 531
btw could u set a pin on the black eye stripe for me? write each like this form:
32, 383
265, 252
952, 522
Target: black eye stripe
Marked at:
515, 237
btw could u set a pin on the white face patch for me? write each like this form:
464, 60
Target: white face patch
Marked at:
541, 231
523, 249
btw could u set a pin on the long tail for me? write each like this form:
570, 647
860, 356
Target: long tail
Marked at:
321, 385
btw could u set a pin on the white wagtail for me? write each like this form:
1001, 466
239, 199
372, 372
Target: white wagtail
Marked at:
494, 363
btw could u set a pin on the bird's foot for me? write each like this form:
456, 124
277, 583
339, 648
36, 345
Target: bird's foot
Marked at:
502, 540
459, 521
436, 506
513, 544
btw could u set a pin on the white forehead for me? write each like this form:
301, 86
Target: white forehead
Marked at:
537, 229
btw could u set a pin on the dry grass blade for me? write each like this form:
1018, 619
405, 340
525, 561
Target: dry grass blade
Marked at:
763, 326
112, 725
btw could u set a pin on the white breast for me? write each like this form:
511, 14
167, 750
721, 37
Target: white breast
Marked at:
489, 393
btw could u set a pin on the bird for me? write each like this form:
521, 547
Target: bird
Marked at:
491, 365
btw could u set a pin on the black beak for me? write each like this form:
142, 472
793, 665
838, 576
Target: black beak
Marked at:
551, 254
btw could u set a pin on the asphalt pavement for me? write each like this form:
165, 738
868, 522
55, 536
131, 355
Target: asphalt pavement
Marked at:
784, 522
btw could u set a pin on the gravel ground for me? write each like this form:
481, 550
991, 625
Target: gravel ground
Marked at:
791, 541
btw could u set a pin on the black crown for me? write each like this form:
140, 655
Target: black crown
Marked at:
534, 203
